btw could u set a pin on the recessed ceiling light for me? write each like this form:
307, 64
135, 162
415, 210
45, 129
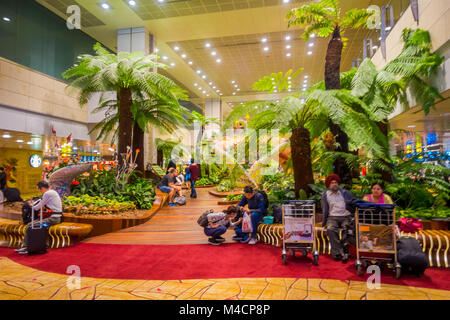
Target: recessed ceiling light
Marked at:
311, 44
105, 6
190, 62
313, 35
233, 81
217, 91
213, 53
195, 84
172, 64
219, 60
160, 1
264, 40
204, 76
199, 71
204, 91
132, 2
266, 48
235, 85
208, 45
6, 19
309, 53
176, 48
183, 56
288, 46
19, 141
306, 76
288, 38
210, 83
288, 54
214, 87
238, 89
305, 81
165, 57
156, 50
29, 142
6, 136
234, 93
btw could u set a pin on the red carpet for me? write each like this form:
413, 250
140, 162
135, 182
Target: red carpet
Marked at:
176, 262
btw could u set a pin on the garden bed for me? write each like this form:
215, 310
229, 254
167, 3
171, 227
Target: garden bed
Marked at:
226, 193
205, 186
228, 202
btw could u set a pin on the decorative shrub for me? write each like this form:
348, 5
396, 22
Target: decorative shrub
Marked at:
86, 204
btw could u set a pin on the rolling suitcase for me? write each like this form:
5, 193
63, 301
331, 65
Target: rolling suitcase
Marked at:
410, 256
37, 236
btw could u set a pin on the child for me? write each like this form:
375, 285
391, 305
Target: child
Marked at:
367, 244
218, 222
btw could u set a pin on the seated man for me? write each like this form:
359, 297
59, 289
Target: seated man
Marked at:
167, 185
338, 211
218, 222
256, 210
51, 207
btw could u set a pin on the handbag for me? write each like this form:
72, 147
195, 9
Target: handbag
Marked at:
247, 223
409, 225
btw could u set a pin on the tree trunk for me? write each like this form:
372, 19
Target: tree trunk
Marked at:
385, 175
301, 159
125, 120
138, 143
333, 82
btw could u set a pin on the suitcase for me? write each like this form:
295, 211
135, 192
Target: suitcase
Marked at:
36, 236
410, 256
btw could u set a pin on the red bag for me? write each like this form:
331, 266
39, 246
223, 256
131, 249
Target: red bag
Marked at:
409, 225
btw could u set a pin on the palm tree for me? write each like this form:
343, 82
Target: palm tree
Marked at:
203, 122
143, 97
324, 19
305, 120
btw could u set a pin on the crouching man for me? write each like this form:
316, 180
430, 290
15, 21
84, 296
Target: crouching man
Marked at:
51, 207
338, 206
218, 223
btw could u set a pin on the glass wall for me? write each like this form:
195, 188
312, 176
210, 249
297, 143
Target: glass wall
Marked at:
33, 36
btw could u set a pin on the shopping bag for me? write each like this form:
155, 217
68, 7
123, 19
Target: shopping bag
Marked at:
247, 223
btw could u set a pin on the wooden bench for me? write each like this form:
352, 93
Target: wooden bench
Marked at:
60, 235
435, 243
164, 198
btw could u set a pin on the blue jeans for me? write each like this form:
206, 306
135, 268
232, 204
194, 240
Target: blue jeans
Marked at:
239, 233
256, 220
215, 232
193, 191
165, 189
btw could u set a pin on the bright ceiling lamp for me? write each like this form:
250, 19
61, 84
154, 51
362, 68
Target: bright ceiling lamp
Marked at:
213, 53
288, 55
132, 3
204, 76
288, 46
233, 81
183, 56
208, 45
6, 19
105, 6
199, 71
266, 48
190, 63
176, 48
172, 64
219, 60
309, 53
19, 141
287, 38
195, 84
264, 40
6, 136
311, 44
286, 1
313, 35
165, 57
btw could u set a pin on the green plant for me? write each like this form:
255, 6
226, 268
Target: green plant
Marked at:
205, 181
233, 197
103, 184
226, 185
86, 204
279, 187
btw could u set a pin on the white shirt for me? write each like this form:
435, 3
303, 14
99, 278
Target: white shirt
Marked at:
336, 202
50, 199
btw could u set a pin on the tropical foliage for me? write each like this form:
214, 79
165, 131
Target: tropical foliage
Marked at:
104, 184
86, 204
142, 97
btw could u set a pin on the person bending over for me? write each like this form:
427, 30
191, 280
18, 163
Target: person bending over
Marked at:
167, 185
218, 223
338, 211
256, 210
51, 207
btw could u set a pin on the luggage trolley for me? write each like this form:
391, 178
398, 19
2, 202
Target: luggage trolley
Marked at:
376, 239
299, 228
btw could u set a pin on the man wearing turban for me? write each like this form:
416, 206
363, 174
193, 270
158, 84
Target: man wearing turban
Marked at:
338, 211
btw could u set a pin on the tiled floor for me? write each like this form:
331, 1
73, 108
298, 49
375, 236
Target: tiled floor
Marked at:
178, 226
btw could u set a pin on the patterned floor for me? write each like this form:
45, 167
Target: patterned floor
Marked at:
18, 282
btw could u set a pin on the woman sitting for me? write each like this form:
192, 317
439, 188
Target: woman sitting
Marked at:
378, 196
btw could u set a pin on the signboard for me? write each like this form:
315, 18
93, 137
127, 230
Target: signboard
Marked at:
35, 161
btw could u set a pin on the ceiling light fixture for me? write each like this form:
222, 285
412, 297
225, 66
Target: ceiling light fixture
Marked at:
309, 53
199, 71
266, 48
176, 48
190, 63
6, 136
19, 141
208, 45
288, 38
6, 19
183, 56
165, 57
132, 3
172, 64
105, 6
219, 60
213, 53
288, 54
311, 44
264, 40
288, 46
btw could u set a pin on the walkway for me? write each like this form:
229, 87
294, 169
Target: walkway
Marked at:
171, 225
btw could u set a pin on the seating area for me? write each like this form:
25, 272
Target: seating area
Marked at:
61, 235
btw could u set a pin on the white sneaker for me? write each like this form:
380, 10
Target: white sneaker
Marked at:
253, 241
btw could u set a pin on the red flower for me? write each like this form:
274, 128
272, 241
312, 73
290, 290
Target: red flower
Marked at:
75, 182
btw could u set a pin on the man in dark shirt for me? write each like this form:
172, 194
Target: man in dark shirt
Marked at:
167, 185
256, 210
193, 171
2, 178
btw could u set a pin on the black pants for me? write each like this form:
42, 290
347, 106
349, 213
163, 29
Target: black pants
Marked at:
334, 226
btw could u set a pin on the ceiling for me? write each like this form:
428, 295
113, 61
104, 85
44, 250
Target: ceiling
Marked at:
234, 29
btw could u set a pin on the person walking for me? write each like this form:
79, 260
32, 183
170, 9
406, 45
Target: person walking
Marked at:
193, 172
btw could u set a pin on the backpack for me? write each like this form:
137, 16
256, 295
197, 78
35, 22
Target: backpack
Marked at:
409, 225
266, 199
410, 255
180, 200
277, 214
203, 219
